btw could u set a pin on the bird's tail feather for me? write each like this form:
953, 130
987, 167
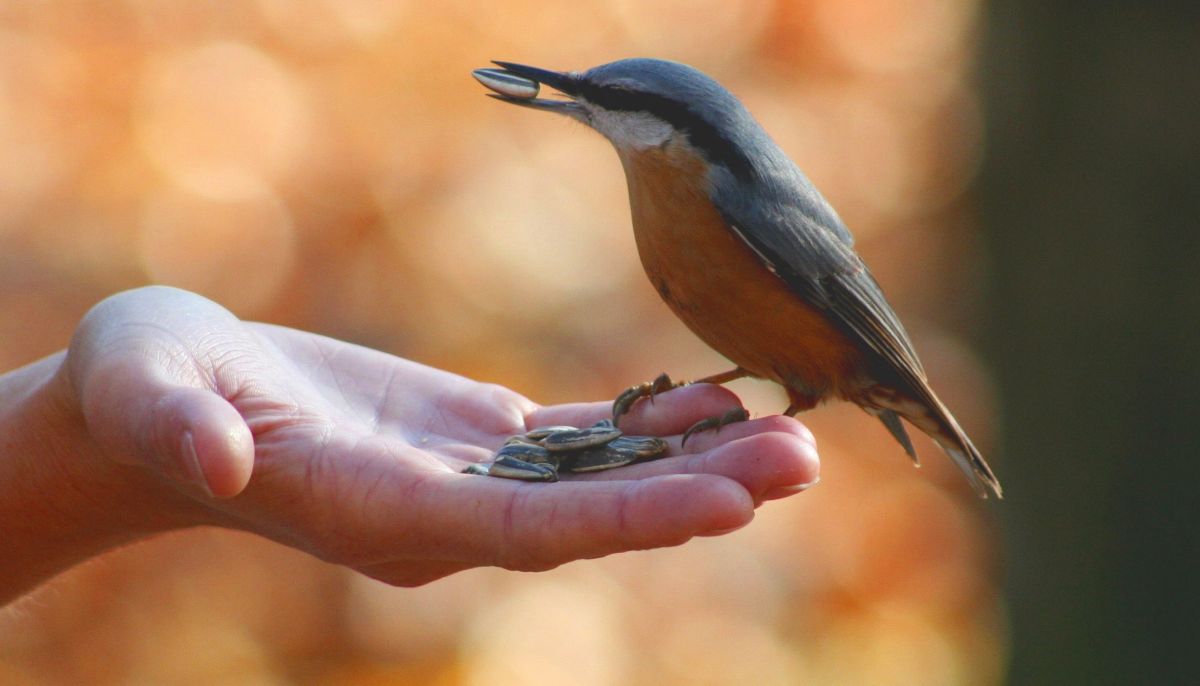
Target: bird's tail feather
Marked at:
891, 420
932, 418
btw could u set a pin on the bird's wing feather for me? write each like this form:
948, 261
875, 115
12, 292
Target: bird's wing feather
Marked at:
819, 266
818, 263
858, 303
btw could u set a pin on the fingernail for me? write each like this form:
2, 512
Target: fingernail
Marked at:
191, 464
722, 532
784, 491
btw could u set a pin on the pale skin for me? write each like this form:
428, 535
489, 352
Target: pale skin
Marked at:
167, 412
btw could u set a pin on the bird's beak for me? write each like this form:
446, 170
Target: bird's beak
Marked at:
519, 84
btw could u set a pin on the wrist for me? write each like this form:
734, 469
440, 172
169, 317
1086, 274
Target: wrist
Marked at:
61, 500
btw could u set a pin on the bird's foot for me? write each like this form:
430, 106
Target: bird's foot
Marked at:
737, 414
631, 395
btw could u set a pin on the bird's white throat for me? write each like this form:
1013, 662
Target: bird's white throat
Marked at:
636, 130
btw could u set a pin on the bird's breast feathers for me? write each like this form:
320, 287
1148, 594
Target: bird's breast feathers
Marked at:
720, 287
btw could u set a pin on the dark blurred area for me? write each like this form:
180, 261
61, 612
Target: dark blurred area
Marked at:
1091, 200
1021, 179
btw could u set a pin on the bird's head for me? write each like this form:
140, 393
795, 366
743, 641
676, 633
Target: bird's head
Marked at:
642, 103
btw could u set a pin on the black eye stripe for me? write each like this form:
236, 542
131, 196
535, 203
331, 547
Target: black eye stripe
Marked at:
703, 135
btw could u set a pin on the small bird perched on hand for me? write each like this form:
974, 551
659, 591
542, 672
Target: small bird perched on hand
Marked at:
744, 249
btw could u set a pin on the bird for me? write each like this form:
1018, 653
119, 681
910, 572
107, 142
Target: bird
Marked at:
745, 250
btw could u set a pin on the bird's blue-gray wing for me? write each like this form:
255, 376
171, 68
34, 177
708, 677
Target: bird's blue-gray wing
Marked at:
802, 240
817, 262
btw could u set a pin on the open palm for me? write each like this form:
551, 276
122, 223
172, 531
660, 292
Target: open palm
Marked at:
356, 456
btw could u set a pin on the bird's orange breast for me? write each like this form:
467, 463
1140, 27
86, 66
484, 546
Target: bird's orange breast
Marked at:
720, 288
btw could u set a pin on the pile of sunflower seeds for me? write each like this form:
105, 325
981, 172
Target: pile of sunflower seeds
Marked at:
540, 454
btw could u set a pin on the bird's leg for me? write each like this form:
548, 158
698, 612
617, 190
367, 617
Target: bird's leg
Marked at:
725, 377
631, 395
799, 402
737, 414
664, 383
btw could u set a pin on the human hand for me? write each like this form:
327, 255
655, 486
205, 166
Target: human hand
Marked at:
355, 456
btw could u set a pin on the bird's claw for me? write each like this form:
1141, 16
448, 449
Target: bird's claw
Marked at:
631, 395
737, 414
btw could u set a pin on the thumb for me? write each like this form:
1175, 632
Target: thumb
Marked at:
191, 435
139, 382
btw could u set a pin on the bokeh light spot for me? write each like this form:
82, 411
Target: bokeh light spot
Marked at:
895, 35
238, 252
546, 633
328, 23
221, 119
528, 228
31, 156
720, 649
703, 32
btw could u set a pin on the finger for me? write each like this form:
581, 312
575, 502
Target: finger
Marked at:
143, 366
668, 413
409, 573
770, 457
539, 526
190, 435
215, 444
569, 414
710, 438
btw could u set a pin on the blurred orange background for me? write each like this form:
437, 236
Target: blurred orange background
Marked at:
330, 165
